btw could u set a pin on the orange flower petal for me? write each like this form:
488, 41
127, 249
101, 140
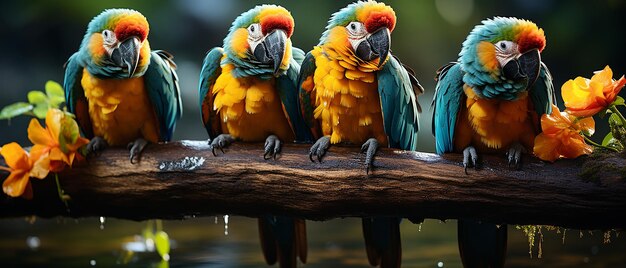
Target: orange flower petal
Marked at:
53, 122
15, 184
38, 135
546, 147
41, 167
575, 147
15, 156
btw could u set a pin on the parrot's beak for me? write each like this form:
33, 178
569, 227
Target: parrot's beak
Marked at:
126, 55
272, 49
525, 66
375, 46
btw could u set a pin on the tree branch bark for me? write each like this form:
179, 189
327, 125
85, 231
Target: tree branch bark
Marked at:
183, 179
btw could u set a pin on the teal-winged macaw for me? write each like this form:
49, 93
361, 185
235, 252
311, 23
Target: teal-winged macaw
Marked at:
122, 93
248, 92
490, 101
352, 90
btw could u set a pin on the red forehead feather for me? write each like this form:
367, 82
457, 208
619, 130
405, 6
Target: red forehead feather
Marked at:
532, 40
125, 30
377, 20
277, 21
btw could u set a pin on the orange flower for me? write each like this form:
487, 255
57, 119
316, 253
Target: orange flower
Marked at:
60, 139
561, 136
586, 97
22, 166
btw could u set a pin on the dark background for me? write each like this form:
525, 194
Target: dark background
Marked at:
37, 37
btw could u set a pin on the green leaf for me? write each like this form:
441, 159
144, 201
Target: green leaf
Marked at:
37, 98
162, 243
55, 93
40, 111
607, 139
618, 101
615, 119
54, 89
15, 109
69, 133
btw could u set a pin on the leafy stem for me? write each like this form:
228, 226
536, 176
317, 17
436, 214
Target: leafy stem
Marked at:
588, 140
614, 109
61, 193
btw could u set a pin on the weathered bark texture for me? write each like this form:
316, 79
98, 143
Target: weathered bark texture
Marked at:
184, 179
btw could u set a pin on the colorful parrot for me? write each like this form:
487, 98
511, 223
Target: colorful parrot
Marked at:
490, 102
122, 93
248, 92
353, 91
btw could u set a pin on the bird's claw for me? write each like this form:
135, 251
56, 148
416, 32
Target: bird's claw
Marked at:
136, 148
221, 141
96, 146
319, 148
470, 158
272, 147
369, 147
514, 155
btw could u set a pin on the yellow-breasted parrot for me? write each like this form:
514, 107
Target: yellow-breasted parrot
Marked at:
352, 90
248, 92
490, 101
122, 93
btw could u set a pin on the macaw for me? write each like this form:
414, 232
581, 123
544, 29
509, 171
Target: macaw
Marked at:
248, 93
490, 101
122, 93
352, 90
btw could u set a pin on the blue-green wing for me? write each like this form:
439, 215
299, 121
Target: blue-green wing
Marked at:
164, 93
288, 92
306, 92
298, 55
398, 89
210, 71
75, 99
446, 104
542, 93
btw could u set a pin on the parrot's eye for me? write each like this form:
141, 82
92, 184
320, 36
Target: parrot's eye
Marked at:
108, 36
506, 47
356, 28
254, 31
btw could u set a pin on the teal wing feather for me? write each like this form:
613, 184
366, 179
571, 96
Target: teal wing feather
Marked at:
210, 71
306, 98
398, 89
288, 92
164, 93
542, 92
298, 55
75, 99
446, 104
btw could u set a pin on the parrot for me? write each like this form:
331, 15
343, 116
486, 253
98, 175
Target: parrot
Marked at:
121, 92
352, 90
248, 92
491, 101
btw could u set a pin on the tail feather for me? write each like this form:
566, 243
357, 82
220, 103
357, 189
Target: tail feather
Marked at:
382, 241
482, 245
283, 239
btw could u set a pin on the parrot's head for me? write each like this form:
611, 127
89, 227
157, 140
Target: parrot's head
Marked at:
259, 40
502, 53
363, 29
116, 45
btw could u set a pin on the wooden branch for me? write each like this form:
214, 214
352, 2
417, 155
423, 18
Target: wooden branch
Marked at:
183, 179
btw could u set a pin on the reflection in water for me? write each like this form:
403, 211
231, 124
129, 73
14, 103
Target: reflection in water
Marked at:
199, 242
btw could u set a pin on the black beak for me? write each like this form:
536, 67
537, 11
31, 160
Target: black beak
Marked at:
526, 66
375, 46
272, 49
126, 55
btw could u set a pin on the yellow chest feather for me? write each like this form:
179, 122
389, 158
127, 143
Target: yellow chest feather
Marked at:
249, 108
120, 109
347, 102
494, 124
